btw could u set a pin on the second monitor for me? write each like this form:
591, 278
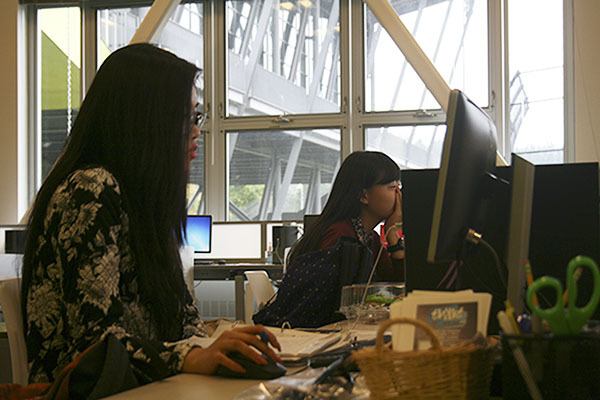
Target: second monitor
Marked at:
199, 233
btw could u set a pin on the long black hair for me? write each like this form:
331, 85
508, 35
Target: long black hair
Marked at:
135, 122
360, 171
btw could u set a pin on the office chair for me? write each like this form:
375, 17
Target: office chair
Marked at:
258, 293
187, 264
10, 303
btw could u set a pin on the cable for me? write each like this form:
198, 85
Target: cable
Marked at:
364, 296
496, 261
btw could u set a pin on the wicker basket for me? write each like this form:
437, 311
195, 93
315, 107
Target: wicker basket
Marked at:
458, 372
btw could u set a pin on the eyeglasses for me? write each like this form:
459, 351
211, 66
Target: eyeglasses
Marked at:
198, 118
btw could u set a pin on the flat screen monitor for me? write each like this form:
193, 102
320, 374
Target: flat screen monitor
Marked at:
517, 251
309, 222
199, 233
468, 160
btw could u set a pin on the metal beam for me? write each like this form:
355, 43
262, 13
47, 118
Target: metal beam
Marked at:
268, 191
257, 44
299, 45
320, 64
247, 32
287, 178
388, 18
154, 21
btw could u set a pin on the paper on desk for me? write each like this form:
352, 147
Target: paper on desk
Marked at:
294, 343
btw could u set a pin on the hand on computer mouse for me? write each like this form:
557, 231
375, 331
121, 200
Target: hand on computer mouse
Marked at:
240, 340
270, 370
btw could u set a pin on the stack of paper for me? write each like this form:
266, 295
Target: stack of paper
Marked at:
295, 344
454, 316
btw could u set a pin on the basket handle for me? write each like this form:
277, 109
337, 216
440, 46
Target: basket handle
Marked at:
379, 344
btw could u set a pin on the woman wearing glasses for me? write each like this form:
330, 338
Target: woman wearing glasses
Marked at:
102, 255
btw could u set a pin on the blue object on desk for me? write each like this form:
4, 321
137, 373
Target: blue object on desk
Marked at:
567, 321
524, 321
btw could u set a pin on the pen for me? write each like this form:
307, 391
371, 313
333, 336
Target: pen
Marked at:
529, 276
576, 276
510, 315
519, 357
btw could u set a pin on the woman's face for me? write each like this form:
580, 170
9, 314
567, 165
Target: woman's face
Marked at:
381, 199
196, 129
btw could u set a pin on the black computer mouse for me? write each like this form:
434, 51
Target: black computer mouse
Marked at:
271, 370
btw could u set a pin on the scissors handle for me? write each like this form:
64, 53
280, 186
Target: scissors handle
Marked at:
578, 316
555, 315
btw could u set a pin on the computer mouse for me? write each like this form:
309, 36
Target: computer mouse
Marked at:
271, 370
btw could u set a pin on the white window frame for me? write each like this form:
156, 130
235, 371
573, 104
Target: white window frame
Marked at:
351, 119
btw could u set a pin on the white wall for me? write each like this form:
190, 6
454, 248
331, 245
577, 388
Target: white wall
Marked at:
13, 160
587, 79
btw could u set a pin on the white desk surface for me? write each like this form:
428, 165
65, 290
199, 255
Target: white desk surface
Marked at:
189, 386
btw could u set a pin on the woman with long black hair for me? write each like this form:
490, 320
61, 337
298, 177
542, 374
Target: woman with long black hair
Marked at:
366, 192
102, 254
342, 247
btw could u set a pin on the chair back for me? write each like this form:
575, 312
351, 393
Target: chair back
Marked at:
10, 303
260, 286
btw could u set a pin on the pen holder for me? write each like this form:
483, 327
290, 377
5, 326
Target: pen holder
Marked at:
563, 367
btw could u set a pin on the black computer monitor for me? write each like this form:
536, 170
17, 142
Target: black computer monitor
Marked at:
467, 166
199, 233
310, 221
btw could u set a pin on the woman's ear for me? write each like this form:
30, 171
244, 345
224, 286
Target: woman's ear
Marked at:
364, 198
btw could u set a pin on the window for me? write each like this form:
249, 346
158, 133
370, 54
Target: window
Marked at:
280, 175
536, 76
59, 41
453, 34
282, 57
292, 87
411, 146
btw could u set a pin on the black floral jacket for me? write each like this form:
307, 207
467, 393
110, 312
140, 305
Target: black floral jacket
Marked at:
84, 285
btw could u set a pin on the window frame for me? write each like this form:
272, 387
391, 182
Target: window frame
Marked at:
351, 120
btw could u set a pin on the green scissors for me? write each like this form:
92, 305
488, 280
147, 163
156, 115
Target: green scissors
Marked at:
567, 321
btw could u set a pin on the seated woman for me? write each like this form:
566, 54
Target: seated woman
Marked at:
102, 254
342, 247
366, 192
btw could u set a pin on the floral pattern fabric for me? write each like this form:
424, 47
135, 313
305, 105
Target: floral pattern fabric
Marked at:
84, 285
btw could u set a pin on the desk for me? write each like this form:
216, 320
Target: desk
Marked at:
189, 386
235, 272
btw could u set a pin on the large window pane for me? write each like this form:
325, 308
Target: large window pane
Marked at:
59, 38
453, 34
183, 35
536, 79
412, 147
282, 57
280, 175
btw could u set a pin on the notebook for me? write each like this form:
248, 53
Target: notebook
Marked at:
295, 344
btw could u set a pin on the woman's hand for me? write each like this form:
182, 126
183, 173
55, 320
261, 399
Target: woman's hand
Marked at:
241, 340
396, 215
